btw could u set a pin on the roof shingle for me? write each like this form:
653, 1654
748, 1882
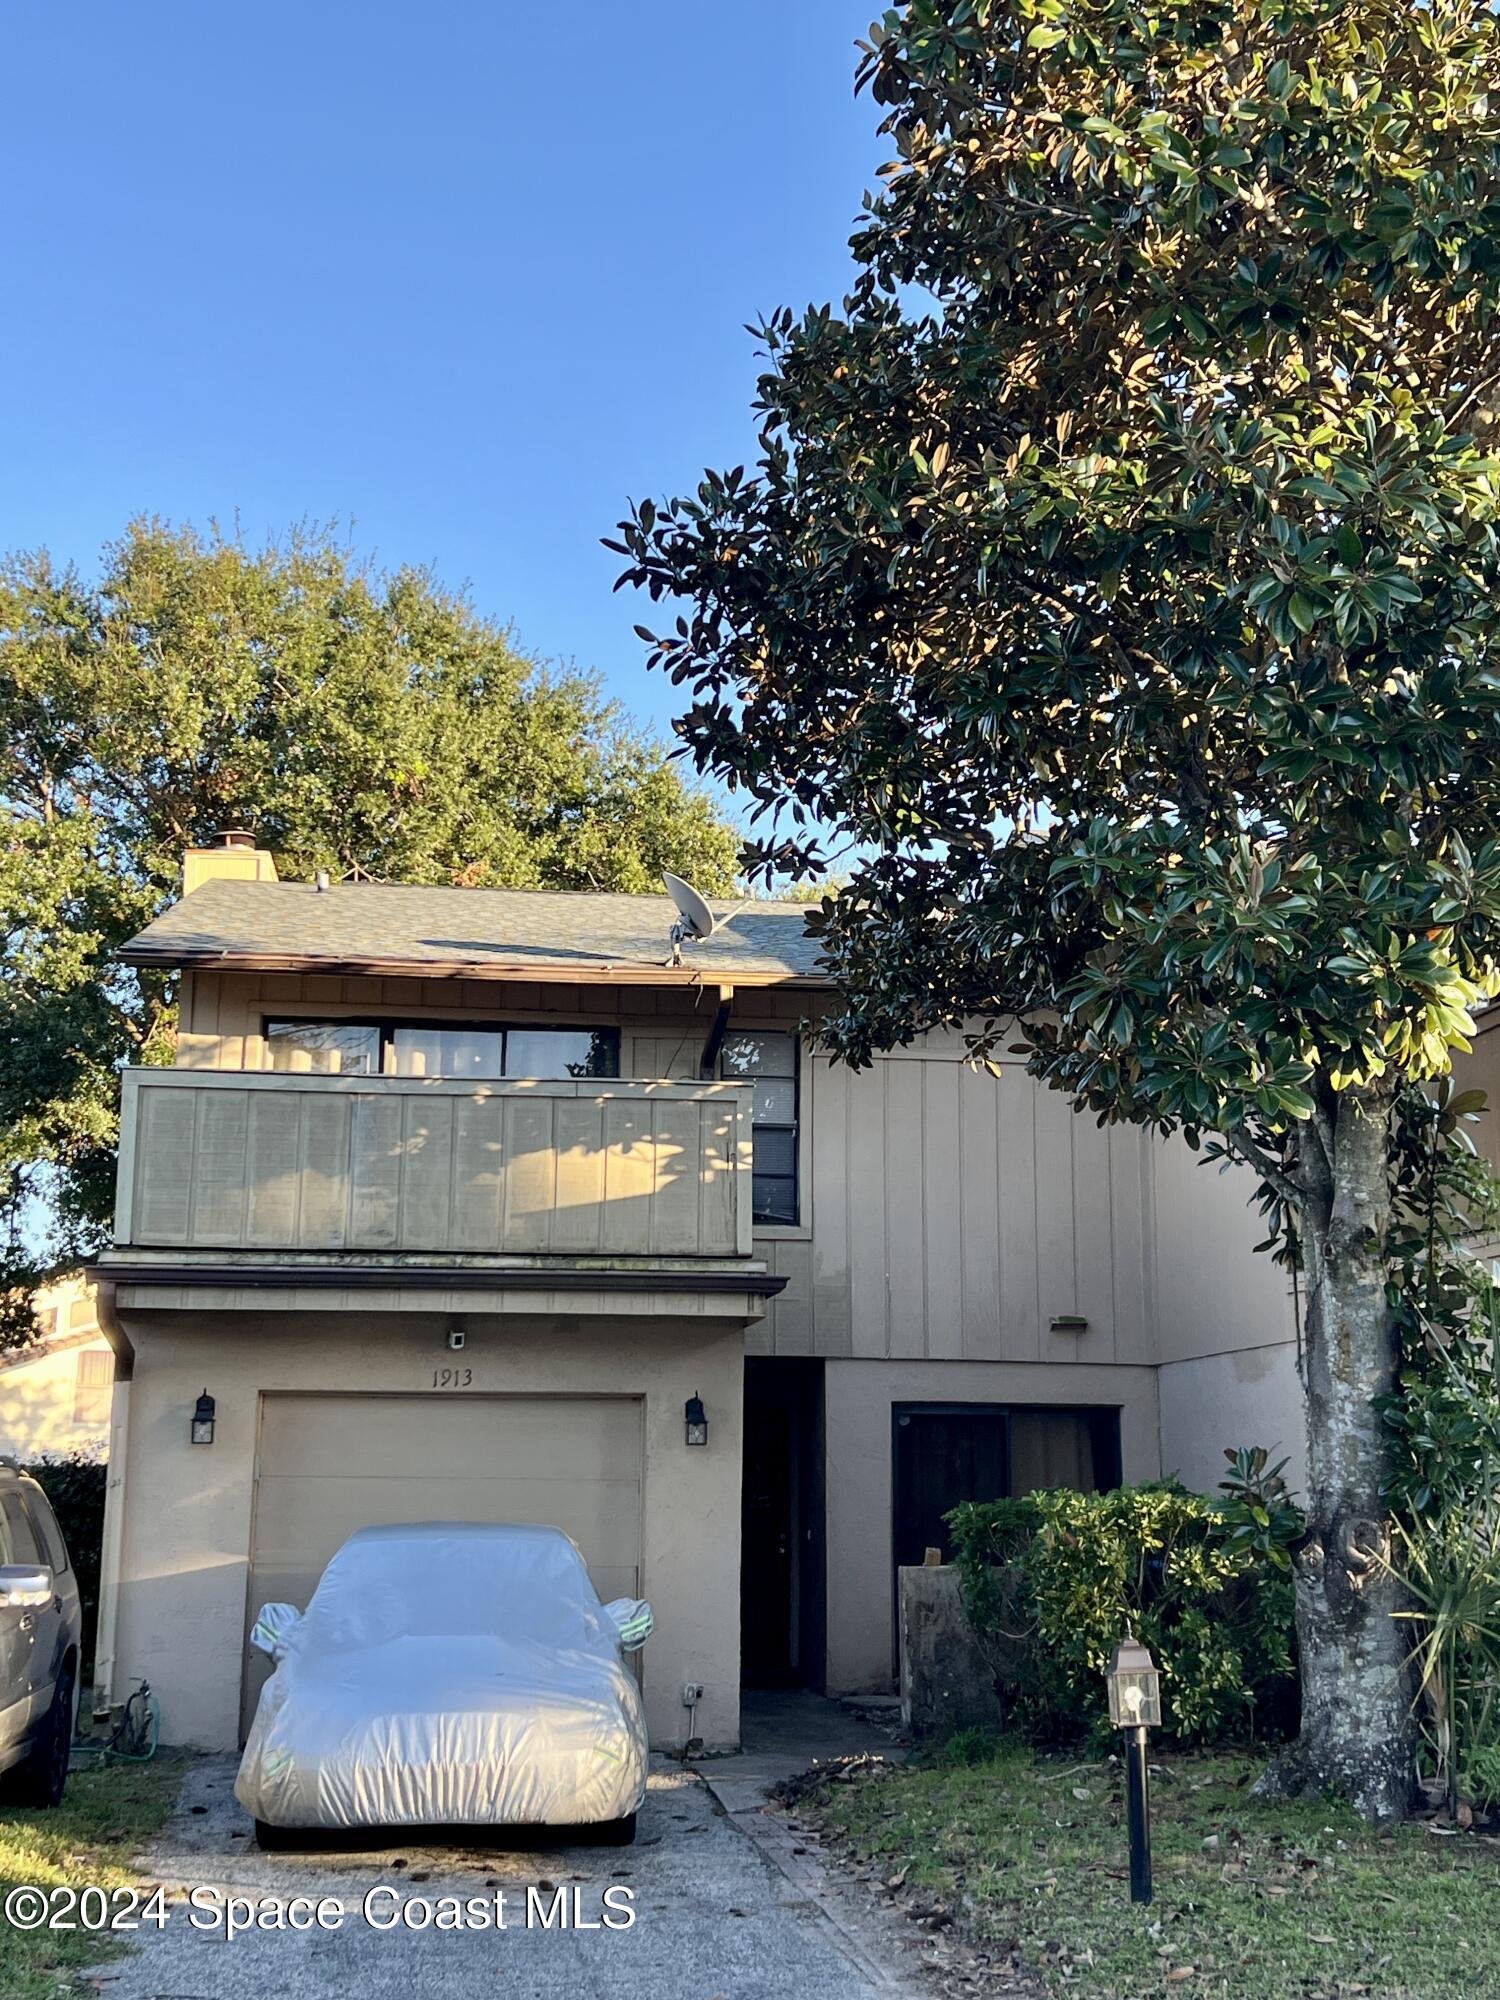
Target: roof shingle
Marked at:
522, 933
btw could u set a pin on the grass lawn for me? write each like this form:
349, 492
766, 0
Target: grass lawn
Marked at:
1253, 1901
105, 1815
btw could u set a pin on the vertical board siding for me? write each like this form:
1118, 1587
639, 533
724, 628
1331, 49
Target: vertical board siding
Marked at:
955, 1214
325, 1164
577, 1215
942, 1209
980, 1235
948, 1214
164, 1166
375, 1172
832, 1320
908, 1254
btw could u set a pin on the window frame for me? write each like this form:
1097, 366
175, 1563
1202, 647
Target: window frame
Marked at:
799, 1225
81, 1388
13, 1498
387, 1027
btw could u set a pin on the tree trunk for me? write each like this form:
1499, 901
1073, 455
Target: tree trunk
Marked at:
1358, 1726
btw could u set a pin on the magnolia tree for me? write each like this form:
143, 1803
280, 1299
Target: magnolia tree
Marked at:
1118, 581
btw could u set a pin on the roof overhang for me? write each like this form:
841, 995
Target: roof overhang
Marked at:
533, 971
145, 1281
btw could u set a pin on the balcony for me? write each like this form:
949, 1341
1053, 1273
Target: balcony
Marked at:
548, 1182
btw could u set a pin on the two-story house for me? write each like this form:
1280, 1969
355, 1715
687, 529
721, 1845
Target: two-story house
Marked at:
471, 1204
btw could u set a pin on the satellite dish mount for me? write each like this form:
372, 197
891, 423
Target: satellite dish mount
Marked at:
695, 920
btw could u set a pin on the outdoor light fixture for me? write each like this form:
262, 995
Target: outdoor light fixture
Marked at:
697, 1420
1135, 1706
203, 1419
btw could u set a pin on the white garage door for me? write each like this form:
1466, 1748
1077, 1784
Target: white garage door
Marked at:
331, 1464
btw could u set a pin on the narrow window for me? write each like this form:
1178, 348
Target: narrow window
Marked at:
543, 1052
93, 1384
768, 1062
473, 1054
452, 1050
324, 1048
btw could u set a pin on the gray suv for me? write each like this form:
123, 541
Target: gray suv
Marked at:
40, 1622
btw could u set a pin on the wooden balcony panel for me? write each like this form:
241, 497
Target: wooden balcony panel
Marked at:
236, 1161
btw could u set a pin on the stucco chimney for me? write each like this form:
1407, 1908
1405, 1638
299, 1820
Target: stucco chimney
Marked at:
233, 857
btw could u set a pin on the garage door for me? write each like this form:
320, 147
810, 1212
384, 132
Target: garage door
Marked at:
331, 1464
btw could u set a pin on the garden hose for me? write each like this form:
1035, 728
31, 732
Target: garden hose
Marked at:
135, 1736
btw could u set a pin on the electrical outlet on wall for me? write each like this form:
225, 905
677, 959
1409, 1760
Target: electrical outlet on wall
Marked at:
692, 1693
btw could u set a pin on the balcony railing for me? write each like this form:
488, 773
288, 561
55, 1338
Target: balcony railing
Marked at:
246, 1161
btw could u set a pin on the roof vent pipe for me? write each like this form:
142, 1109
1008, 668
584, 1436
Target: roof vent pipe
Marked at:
320, 880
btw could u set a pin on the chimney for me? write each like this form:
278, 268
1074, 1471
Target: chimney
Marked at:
233, 857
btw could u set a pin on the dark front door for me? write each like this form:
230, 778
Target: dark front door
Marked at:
766, 1559
781, 1551
944, 1454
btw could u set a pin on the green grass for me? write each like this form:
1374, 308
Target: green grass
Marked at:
1253, 1901
104, 1817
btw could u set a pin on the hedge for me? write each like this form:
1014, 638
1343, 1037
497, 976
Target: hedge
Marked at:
74, 1483
1050, 1582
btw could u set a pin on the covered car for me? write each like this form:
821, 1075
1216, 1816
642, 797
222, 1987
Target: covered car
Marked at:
449, 1673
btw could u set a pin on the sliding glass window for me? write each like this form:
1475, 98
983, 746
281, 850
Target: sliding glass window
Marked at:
348, 1048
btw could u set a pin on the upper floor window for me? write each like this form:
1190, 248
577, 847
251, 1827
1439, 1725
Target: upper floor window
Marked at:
769, 1063
93, 1385
324, 1048
351, 1048
491, 1052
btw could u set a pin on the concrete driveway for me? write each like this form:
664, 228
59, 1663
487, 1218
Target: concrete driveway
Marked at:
712, 1917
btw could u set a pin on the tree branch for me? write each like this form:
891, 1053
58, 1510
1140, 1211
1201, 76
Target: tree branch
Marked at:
1270, 1169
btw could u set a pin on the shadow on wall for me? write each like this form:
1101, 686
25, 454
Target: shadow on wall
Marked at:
529, 1168
56, 1400
1252, 1395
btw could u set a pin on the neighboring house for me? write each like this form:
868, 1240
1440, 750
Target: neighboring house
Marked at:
55, 1394
404, 1119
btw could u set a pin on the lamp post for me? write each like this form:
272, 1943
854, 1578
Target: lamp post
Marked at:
1135, 1706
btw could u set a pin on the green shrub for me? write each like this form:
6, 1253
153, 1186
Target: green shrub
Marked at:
967, 1749
1050, 1583
74, 1483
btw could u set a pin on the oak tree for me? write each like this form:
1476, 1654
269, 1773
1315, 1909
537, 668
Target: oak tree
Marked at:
359, 722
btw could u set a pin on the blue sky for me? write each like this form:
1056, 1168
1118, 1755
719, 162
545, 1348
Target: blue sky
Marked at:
463, 276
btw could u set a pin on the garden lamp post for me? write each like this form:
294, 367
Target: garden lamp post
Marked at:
1135, 1706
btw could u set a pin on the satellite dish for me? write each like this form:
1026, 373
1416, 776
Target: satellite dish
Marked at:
695, 920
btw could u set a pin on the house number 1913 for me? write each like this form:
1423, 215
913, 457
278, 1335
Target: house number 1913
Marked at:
452, 1378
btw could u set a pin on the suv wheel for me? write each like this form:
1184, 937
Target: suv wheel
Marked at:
40, 1780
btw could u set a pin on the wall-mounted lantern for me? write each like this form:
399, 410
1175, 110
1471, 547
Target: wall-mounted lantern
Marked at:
696, 1420
203, 1420
1135, 1706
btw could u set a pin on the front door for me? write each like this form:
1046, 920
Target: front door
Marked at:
781, 1547
767, 1555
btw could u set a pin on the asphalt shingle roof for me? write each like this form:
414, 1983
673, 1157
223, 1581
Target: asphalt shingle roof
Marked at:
354, 926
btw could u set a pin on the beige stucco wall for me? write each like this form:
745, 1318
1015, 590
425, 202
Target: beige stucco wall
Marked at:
1249, 1396
186, 1531
857, 1400
1214, 1293
39, 1386
37, 1398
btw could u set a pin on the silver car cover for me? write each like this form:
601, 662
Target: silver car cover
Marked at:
448, 1673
